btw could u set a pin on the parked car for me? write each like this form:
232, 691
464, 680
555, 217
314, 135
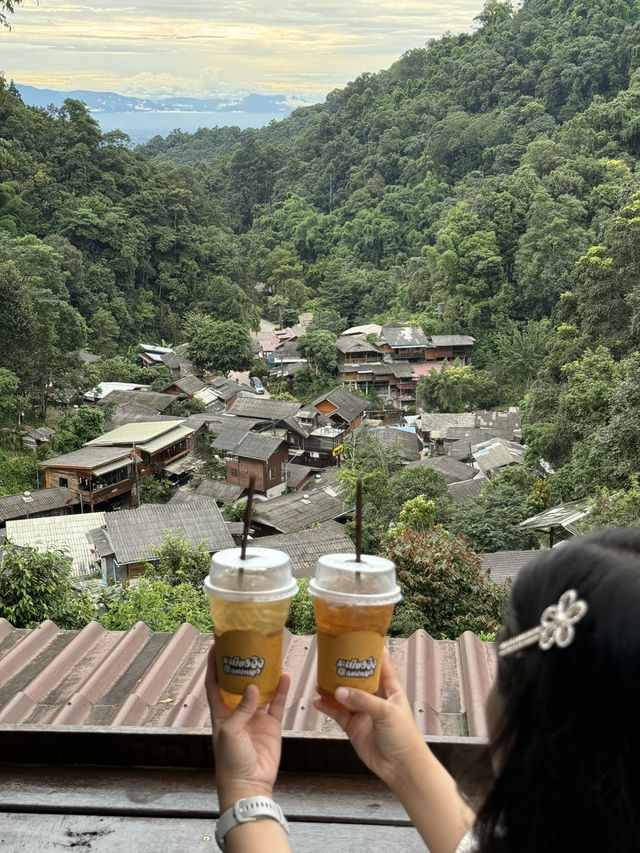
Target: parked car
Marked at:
258, 387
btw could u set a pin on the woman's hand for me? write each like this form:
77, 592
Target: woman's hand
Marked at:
246, 740
381, 727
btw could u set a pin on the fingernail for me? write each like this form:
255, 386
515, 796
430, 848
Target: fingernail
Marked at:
342, 694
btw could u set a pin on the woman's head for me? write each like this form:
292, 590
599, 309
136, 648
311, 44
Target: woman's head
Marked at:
569, 718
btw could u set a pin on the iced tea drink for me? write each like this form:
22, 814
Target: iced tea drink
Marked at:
353, 604
249, 601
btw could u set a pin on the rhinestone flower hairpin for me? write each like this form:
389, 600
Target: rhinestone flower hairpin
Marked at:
556, 626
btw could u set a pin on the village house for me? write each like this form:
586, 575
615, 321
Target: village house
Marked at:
126, 541
321, 500
341, 408
161, 403
105, 388
355, 349
450, 347
406, 343
66, 533
261, 456
101, 477
178, 362
37, 438
151, 356
43, 502
393, 380
157, 444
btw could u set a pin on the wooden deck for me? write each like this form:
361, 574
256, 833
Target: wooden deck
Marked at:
112, 810
111, 789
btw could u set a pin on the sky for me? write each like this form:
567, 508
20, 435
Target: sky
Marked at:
226, 47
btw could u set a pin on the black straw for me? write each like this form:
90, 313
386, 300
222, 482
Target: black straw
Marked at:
247, 517
358, 520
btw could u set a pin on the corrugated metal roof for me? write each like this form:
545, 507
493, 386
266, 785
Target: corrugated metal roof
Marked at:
264, 409
40, 433
558, 516
354, 343
466, 489
134, 532
162, 441
367, 329
496, 453
154, 399
297, 475
348, 406
320, 501
257, 445
42, 500
306, 546
220, 490
452, 470
228, 438
63, 532
404, 336
408, 444
187, 384
452, 340
505, 565
104, 389
441, 421
140, 433
142, 678
88, 458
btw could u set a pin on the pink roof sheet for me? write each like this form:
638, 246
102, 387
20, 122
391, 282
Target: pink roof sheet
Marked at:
151, 679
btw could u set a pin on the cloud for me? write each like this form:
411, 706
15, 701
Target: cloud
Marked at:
198, 48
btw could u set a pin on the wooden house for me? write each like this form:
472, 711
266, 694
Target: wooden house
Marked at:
158, 443
261, 456
102, 477
408, 343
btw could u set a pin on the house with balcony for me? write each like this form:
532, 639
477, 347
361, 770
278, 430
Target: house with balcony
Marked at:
407, 343
355, 349
103, 478
157, 444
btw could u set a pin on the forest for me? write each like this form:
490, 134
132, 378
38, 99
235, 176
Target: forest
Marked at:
486, 184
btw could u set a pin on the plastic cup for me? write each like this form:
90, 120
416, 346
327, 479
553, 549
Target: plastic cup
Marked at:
249, 602
353, 604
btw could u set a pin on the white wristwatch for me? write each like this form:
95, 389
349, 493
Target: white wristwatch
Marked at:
243, 811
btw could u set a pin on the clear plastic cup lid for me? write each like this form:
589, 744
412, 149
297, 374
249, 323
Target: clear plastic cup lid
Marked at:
264, 575
343, 580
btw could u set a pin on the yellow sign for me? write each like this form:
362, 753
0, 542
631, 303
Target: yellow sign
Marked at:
337, 450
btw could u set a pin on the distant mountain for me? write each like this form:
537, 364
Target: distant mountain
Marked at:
111, 102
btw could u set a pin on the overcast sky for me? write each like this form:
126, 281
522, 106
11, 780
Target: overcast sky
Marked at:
288, 47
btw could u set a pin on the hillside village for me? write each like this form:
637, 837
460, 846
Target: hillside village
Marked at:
90, 501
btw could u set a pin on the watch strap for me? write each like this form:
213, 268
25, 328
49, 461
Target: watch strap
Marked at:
246, 810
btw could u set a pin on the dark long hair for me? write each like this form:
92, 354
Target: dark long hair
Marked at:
567, 742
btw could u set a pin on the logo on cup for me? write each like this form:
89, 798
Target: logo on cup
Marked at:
250, 667
355, 668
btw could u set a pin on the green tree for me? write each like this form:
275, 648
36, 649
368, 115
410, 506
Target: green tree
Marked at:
319, 349
418, 513
161, 606
11, 403
220, 345
35, 587
457, 388
154, 490
301, 619
75, 431
445, 590
180, 562
490, 521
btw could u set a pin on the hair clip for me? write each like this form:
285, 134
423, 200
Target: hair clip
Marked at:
556, 626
